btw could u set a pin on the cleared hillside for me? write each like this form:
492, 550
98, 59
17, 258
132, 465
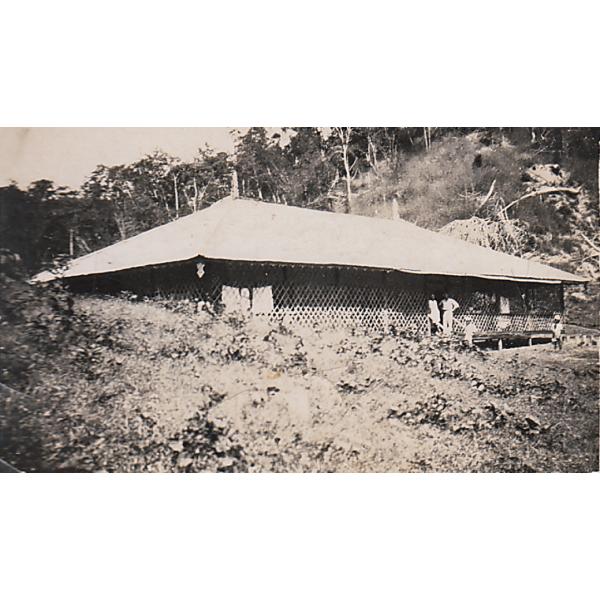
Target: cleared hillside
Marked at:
139, 387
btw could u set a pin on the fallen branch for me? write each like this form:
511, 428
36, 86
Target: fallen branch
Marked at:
551, 190
542, 192
486, 199
586, 257
489, 194
596, 249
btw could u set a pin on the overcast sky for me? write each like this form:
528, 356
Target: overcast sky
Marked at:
67, 155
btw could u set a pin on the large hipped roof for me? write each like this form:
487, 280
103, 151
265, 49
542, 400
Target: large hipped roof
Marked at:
246, 230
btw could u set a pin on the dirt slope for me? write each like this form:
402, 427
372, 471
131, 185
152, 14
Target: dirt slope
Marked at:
142, 388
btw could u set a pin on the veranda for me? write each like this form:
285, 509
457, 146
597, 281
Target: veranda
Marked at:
339, 296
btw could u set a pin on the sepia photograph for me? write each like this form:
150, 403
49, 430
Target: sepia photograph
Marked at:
299, 299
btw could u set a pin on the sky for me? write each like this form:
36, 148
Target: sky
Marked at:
67, 155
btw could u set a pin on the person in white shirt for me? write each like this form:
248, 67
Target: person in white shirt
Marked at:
433, 315
557, 329
449, 305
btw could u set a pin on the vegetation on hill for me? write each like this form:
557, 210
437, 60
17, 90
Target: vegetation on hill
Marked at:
126, 386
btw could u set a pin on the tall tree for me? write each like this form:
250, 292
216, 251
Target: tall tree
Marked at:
310, 174
260, 165
344, 137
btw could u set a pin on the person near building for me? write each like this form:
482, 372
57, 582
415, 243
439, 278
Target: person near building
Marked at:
449, 305
557, 329
433, 314
469, 331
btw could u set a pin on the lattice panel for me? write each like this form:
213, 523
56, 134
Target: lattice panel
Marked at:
508, 323
184, 290
163, 284
342, 306
377, 308
191, 290
347, 306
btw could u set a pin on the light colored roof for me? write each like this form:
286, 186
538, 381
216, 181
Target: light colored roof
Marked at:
246, 230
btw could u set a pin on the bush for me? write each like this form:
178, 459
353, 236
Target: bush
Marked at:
444, 184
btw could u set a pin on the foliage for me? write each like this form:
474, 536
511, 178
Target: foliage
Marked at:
444, 183
114, 203
137, 387
34, 223
35, 322
155, 190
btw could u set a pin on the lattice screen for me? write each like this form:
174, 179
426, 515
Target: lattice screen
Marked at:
377, 308
343, 306
508, 323
313, 297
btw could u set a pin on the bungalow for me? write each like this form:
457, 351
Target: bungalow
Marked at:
319, 267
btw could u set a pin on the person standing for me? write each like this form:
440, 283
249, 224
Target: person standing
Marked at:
449, 305
433, 315
557, 329
469, 331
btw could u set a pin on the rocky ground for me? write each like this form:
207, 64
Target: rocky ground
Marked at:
138, 387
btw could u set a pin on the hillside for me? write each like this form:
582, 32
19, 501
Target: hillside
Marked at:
140, 387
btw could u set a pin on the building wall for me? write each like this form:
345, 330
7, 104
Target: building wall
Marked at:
346, 297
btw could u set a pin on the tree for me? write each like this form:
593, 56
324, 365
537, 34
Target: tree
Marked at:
204, 180
261, 166
344, 137
310, 175
111, 189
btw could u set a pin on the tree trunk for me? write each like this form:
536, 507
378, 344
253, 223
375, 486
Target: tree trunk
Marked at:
372, 154
83, 244
195, 198
121, 226
533, 135
345, 134
348, 186
557, 145
235, 191
426, 138
176, 197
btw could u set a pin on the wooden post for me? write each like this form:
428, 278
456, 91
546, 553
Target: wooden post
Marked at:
499, 343
530, 342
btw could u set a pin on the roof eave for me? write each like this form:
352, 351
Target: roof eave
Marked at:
575, 279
